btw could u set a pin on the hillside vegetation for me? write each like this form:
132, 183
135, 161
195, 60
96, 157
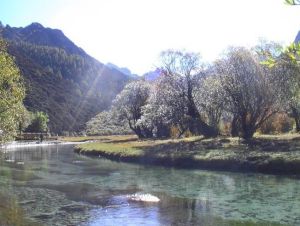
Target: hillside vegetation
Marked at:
60, 78
11, 95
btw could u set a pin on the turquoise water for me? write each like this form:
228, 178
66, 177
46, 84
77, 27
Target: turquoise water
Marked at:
54, 186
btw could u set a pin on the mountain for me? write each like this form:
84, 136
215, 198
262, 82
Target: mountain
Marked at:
123, 70
36, 34
152, 75
297, 39
61, 79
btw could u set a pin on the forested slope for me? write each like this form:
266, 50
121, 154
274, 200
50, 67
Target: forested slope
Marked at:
61, 79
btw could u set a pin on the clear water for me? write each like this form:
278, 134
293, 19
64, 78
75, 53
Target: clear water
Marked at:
54, 186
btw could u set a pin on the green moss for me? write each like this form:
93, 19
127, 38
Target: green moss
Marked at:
11, 213
223, 222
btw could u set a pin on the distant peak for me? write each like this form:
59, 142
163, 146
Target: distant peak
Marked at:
124, 70
35, 25
297, 39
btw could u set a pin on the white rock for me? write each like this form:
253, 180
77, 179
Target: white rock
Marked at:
144, 198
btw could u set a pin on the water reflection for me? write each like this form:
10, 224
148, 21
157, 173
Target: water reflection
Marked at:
54, 186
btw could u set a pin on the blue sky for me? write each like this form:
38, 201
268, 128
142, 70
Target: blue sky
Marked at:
132, 33
23, 12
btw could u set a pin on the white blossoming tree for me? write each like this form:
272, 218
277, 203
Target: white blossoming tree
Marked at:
249, 94
129, 103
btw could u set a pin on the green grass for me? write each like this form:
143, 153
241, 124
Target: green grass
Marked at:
97, 138
127, 145
265, 154
121, 149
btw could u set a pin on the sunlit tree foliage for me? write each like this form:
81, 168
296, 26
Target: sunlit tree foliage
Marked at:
129, 104
183, 71
247, 88
106, 123
249, 93
292, 2
39, 122
11, 95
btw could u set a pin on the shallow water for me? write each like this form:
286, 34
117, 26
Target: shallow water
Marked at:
54, 186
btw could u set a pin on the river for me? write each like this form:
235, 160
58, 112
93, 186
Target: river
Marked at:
55, 186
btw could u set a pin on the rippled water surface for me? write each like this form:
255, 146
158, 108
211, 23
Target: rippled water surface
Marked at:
54, 186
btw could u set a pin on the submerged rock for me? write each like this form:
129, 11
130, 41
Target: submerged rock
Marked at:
74, 207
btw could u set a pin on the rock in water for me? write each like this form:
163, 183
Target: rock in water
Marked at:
143, 198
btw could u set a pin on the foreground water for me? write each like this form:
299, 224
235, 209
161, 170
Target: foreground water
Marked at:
54, 186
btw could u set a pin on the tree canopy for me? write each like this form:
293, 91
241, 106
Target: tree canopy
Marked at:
39, 123
243, 91
292, 2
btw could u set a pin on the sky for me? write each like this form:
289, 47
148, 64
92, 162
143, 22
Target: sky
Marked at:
132, 33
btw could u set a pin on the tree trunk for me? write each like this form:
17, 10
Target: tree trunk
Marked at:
163, 131
248, 133
296, 115
235, 127
247, 129
196, 125
147, 133
137, 130
297, 125
199, 127
139, 133
241, 126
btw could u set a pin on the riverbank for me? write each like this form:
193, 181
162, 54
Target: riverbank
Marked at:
266, 154
117, 138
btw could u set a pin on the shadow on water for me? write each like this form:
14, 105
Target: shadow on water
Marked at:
54, 186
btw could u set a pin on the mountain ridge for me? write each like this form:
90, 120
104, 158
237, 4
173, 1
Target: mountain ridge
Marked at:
37, 34
123, 70
61, 79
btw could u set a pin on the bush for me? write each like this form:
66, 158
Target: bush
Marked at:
278, 123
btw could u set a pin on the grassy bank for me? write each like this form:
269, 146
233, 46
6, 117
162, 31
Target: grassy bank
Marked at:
266, 154
98, 138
